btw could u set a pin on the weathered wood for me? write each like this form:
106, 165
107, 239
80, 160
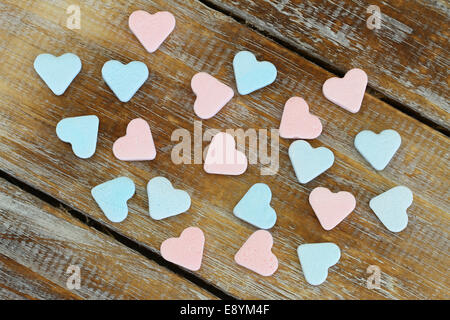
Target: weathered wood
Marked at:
413, 262
38, 243
406, 59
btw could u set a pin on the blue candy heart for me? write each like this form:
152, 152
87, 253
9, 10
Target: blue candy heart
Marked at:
81, 133
165, 201
316, 258
378, 149
250, 74
390, 207
308, 162
255, 208
112, 197
57, 72
124, 80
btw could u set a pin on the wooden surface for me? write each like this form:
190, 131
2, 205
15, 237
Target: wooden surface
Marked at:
413, 262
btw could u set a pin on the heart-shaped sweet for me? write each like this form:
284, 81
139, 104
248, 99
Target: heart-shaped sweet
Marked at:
256, 254
331, 208
222, 156
81, 133
164, 200
378, 149
316, 258
251, 74
151, 29
390, 207
212, 95
254, 207
297, 122
309, 162
112, 196
137, 144
57, 72
124, 80
347, 92
187, 250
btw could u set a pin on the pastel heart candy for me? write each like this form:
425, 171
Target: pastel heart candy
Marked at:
256, 254
251, 74
222, 156
164, 200
124, 80
309, 162
255, 208
212, 95
378, 149
151, 29
347, 92
57, 72
316, 258
297, 122
187, 250
331, 208
81, 133
137, 144
390, 207
112, 197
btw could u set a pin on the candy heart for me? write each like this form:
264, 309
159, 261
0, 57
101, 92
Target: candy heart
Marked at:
137, 144
124, 80
187, 250
212, 95
378, 149
112, 197
57, 72
165, 201
347, 92
390, 207
309, 162
256, 254
151, 29
297, 122
316, 258
255, 208
331, 208
222, 156
81, 133
250, 74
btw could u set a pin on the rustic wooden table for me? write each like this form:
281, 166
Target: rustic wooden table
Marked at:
49, 221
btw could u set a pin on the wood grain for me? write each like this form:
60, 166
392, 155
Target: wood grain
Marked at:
413, 262
39, 242
406, 59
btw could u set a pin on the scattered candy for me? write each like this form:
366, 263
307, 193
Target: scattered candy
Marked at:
297, 122
57, 72
137, 144
390, 207
347, 92
112, 197
309, 162
316, 258
256, 254
81, 133
187, 250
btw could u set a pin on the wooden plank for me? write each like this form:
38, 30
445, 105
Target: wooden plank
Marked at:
413, 262
406, 59
38, 243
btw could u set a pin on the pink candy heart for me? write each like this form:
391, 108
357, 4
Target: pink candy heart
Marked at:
347, 92
222, 156
137, 144
212, 95
151, 29
187, 250
331, 208
256, 254
297, 122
